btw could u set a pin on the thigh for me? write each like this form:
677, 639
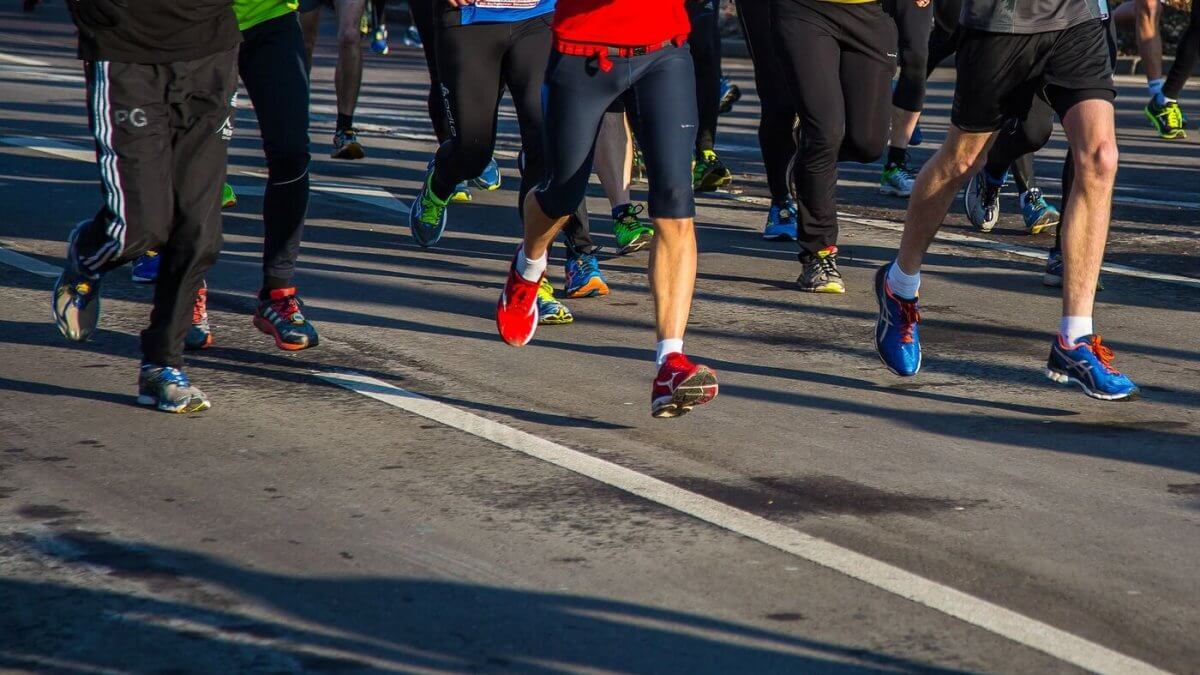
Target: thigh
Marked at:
811, 57
524, 70
755, 17
271, 64
666, 100
469, 67
349, 13
1079, 68
998, 75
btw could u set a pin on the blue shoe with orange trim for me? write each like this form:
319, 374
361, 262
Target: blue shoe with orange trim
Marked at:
897, 339
584, 279
1088, 363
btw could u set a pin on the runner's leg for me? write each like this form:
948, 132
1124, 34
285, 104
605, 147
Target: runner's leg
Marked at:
423, 18
348, 75
775, 137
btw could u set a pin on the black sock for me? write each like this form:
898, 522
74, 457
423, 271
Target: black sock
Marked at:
896, 156
344, 121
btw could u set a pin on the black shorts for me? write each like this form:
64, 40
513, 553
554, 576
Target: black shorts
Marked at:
1000, 73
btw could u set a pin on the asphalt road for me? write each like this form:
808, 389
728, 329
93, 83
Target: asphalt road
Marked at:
528, 515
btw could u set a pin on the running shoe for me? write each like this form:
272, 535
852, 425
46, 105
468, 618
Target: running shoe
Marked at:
76, 295
379, 41
1039, 215
897, 180
462, 193
280, 317
730, 94
981, 201
169, 390
639, 164
820, 272
364, 24
517, 311
631, 232
917, 137
550, 311
228, 196
346, 145
427, 215
897, 340
489, 180
412, 37
680, 386
1089, 364
199, 336
709, 172
145, 268
781, 221
1167, 119
584, 279
1054, 271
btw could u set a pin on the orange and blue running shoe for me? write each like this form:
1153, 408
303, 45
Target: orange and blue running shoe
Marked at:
1088, 363
584, 279
897, 339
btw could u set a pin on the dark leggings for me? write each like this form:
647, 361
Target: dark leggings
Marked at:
475, 62
914, 25
1186, 56
422, 15
836, 66
778, 113
1017, 141
705, 43
272, 65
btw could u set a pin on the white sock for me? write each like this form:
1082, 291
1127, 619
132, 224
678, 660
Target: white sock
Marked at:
1155, 87
1074, 327
668, 346
531, 269
903, 285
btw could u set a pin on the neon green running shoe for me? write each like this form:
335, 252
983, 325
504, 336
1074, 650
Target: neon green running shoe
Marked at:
1166, 118
709, 172
427, 216
551, 312
631, 233
228, 196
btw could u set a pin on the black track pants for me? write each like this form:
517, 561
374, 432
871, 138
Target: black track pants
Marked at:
162, 133
705, 43
271, 63
423, 19
475, 62
1187, 54
836, 64
778, 113
914, 25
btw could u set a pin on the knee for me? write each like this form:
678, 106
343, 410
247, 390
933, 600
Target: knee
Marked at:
822, 143
288, 166
914, 61
349, 38
1097, 162
862, 149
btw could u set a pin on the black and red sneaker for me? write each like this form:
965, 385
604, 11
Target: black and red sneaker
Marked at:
516, 313
680, 386
280, 317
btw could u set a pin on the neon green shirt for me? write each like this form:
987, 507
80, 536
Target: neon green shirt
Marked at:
253, 12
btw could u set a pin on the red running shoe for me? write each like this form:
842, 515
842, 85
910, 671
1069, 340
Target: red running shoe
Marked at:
516, 313
680, 386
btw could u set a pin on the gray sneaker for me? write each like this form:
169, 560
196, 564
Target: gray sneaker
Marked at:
169, 390
820, 272
981, 201
76, 303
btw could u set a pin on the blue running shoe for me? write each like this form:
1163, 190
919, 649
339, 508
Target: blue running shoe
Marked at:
781, 222
76, 302
489, 180
169, 390
462, 193
896, 337
427, 217
1088, 363
1038, 213
584, 279
145, 268
730, 94
550, 311
379, 41
917, 137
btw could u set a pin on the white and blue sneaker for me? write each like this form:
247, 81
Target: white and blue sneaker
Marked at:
897, 339
781, 221
427, 216
169, 390
1039, 215
76, 303
1088, 363
489, 180
981, 201
145, 268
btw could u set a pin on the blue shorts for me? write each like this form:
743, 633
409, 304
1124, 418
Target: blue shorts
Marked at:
578, 93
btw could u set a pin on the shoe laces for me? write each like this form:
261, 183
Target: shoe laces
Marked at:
286, 306
1034, 197
1103, 354
826, 261
1173, 115
910, 315
546, 291
588, 265
200, 307
630, 217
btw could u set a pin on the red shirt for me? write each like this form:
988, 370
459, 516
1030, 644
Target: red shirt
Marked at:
620, 23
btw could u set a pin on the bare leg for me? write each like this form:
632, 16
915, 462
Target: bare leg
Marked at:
348, 77
540, 229
1090, 128
673, 274
904, 122
1148, 41
310, 25
940, 180
614, 158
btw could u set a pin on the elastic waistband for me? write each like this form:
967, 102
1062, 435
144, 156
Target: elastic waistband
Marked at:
604, 53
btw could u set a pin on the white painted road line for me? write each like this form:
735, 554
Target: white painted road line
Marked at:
21, 60
32, 265
51, 146
975, 611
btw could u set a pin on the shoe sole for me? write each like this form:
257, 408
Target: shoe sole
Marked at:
349, 151
967, 201
1038, 228
1063, 378
208, 342
554, 321
894, 192
827, 288
593, 288
460, 197
696, 390
229, 204
266, 327
190, 406
641, 242
704, 186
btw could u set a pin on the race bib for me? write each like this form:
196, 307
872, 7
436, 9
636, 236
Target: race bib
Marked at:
507, 4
